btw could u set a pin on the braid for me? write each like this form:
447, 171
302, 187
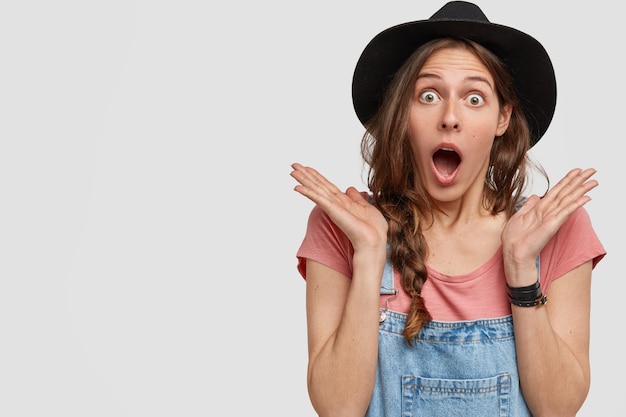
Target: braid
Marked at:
407, 254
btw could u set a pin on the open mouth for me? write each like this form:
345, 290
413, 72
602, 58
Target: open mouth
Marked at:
446, 161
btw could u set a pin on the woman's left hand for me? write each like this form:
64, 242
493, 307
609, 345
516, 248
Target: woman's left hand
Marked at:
538, 220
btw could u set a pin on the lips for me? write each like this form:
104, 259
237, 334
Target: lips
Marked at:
446, 162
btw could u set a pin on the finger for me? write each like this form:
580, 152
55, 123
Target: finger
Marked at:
569, 189
584, 182
578, 178
556, 190
313, 180
529, 204
318, 189
570, 195
357, 196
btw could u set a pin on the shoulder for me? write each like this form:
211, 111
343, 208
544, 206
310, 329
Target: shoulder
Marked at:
326, 243
575, 243
578, 226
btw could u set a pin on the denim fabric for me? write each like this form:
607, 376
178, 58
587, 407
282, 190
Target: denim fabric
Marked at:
465, 368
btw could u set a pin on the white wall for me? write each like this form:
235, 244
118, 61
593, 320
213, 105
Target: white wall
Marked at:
148, 226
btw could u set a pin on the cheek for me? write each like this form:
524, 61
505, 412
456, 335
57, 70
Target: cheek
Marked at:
484, 134
420, 153
481, 146
417, 133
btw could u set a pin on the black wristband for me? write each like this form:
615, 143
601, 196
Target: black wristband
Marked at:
537, 302
528, 293
528, 296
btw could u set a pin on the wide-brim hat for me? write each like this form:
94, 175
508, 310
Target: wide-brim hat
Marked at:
527, 60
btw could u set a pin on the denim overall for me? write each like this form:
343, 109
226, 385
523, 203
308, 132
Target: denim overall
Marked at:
465, 368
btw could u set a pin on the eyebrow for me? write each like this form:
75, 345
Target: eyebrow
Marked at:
470, 78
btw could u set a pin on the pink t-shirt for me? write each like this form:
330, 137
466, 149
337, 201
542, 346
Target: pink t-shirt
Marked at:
478, 294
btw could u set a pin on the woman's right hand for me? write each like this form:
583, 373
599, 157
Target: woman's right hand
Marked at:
343, 311
362, 223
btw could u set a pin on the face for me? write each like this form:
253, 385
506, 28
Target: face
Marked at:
454, 117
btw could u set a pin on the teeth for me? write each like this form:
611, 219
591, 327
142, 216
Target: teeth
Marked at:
447, 149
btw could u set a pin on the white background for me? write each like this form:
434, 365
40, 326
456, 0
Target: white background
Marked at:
148, 226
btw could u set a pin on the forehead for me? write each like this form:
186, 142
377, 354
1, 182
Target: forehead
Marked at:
455, 60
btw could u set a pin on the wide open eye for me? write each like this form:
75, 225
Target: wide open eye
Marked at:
475, 99
429, 97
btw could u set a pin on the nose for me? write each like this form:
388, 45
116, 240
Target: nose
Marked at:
450, 118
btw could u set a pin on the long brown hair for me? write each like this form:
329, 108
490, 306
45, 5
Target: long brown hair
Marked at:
393, 177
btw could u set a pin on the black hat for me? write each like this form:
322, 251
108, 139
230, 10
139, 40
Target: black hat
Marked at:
527, 60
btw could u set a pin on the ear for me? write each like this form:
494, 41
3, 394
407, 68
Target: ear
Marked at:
504, 119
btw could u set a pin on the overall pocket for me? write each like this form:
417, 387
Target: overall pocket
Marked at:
432, 397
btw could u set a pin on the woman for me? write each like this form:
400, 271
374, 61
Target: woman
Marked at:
443, 291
